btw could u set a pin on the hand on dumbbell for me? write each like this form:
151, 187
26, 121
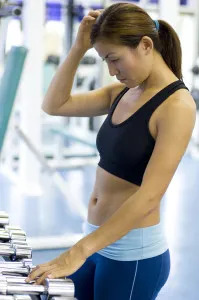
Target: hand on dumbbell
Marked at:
62, 266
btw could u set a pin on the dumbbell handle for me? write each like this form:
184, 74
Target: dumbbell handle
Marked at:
20, 279
15, 279
34, 290
25, 289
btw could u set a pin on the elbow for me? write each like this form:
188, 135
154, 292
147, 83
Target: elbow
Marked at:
152, 208
47, 110
153, 204
150, 204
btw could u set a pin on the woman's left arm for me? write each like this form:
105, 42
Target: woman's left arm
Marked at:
174, 132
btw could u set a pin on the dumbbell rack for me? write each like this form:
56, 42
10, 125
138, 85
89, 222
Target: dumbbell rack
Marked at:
16, 264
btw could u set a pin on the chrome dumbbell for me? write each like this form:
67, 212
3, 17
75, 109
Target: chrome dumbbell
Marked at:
15, 297
14, 232
4, 218
13, 243
22, 268
15, 251
8, 233
14, 264
15, 271
12, 240
51, 287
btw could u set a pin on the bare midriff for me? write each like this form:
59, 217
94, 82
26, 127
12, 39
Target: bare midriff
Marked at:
108, 195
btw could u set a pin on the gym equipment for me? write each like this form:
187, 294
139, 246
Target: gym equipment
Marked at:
58, 287
17, 264
8, 86
13, 274
87, 138
57, 178
4, 219
17, 297
14, 271
12, 240
22, 268
9, 9
15, 252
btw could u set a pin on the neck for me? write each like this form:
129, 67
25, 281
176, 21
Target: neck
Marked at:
160, 76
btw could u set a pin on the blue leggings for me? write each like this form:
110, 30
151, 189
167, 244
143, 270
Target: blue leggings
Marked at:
102, 278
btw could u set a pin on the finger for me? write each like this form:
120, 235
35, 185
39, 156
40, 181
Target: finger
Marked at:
89, 19
34, 269
94, 13
32, 275
38, 272
41, 280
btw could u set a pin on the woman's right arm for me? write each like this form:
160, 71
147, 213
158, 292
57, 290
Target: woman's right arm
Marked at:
59, 90
58, 99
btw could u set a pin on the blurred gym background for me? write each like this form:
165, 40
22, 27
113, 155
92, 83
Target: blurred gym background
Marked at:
48, 163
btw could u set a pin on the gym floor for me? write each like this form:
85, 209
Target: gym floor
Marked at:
49, 215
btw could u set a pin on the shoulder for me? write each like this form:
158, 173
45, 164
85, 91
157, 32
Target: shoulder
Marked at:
180, 104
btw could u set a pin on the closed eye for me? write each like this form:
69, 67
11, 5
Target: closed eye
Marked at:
113, 60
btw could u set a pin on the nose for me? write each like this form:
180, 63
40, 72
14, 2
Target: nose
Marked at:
112, 69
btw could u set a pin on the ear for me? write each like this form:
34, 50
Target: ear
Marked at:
146, 44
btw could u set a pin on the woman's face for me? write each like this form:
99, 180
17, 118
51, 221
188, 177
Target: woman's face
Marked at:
131, 66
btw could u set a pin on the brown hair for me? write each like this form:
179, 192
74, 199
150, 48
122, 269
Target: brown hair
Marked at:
127, 23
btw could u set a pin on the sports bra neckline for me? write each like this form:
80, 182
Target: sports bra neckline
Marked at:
122, 93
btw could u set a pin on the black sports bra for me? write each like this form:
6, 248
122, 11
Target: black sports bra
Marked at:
126, 148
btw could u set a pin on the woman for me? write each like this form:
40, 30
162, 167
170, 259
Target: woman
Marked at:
151, 115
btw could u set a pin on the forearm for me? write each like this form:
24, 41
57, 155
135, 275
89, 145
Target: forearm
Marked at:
128, 216
60, 88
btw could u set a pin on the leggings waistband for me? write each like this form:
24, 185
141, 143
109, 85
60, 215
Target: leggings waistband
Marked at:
139, 243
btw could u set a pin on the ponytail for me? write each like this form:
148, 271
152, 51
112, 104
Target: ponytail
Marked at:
170, 48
